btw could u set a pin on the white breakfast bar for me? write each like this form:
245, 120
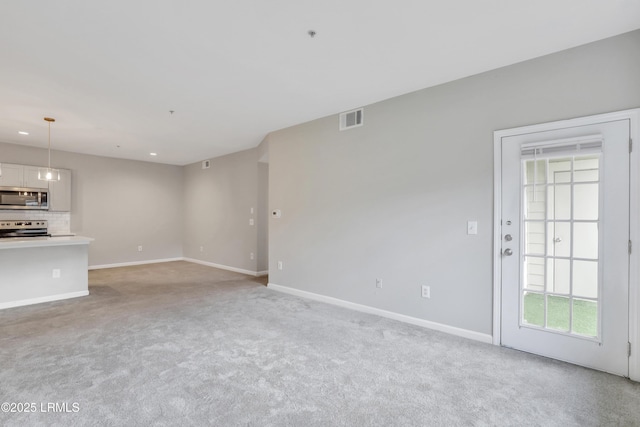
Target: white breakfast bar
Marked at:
41, 269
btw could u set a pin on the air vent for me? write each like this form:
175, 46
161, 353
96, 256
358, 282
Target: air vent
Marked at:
351, 119
206, 164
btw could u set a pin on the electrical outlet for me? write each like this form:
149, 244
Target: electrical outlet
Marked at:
251, 222
140, 248
279, 265
251, 255
201, 248
55, 273
379, 283
426, 291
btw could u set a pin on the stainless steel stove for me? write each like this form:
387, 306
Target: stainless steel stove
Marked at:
23, 228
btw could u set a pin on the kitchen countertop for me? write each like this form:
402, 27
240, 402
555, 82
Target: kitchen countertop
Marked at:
35, 242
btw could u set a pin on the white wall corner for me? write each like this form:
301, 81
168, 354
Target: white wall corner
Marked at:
224, 267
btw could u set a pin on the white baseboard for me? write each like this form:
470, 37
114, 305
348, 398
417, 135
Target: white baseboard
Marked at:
128, 264
224, 267
465, 333
49, 298
196, 261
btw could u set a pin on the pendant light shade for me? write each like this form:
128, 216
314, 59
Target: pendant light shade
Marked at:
48, 174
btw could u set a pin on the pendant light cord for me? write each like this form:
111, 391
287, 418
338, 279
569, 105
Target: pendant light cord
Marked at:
49, 146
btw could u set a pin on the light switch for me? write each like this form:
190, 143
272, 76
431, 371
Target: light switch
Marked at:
251, 221
472, 227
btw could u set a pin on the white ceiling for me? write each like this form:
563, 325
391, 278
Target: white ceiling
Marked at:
233, 71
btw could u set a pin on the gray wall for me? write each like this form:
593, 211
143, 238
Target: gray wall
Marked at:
391, 199
263, 217
120, 203
218, 204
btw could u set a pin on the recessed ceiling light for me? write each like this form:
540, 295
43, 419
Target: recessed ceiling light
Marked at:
153, 154
21, 132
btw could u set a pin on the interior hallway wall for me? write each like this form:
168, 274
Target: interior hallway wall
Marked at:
263, 217
217, 204
391, 200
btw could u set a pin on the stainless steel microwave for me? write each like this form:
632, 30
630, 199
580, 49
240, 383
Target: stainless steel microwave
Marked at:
24, 198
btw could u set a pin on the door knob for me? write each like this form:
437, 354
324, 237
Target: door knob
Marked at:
508, 252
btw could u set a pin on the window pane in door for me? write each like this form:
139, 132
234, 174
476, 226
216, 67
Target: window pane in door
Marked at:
534, 273
585, 279
585, 202
533, 309
558, 276
586, 169
559, 239
559, 202
558, 313
559, 170
535, 202
534, 237
585, 240
535, 172
585, 317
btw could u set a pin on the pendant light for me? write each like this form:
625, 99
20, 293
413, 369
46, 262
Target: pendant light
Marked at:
48, 174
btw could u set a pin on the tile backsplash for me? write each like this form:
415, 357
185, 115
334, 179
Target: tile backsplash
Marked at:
58, 222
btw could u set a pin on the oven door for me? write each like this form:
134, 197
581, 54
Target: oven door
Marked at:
34, 232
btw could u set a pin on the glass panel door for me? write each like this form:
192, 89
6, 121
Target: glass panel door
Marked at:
564, 243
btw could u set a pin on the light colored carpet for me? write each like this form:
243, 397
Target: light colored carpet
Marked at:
184, 344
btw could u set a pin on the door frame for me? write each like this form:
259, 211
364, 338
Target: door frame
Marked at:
633, 116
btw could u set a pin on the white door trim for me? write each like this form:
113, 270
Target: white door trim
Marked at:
633, 116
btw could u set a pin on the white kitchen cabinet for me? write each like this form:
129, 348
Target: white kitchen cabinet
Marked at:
30, 178
20, 176
60, 193
11, 175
